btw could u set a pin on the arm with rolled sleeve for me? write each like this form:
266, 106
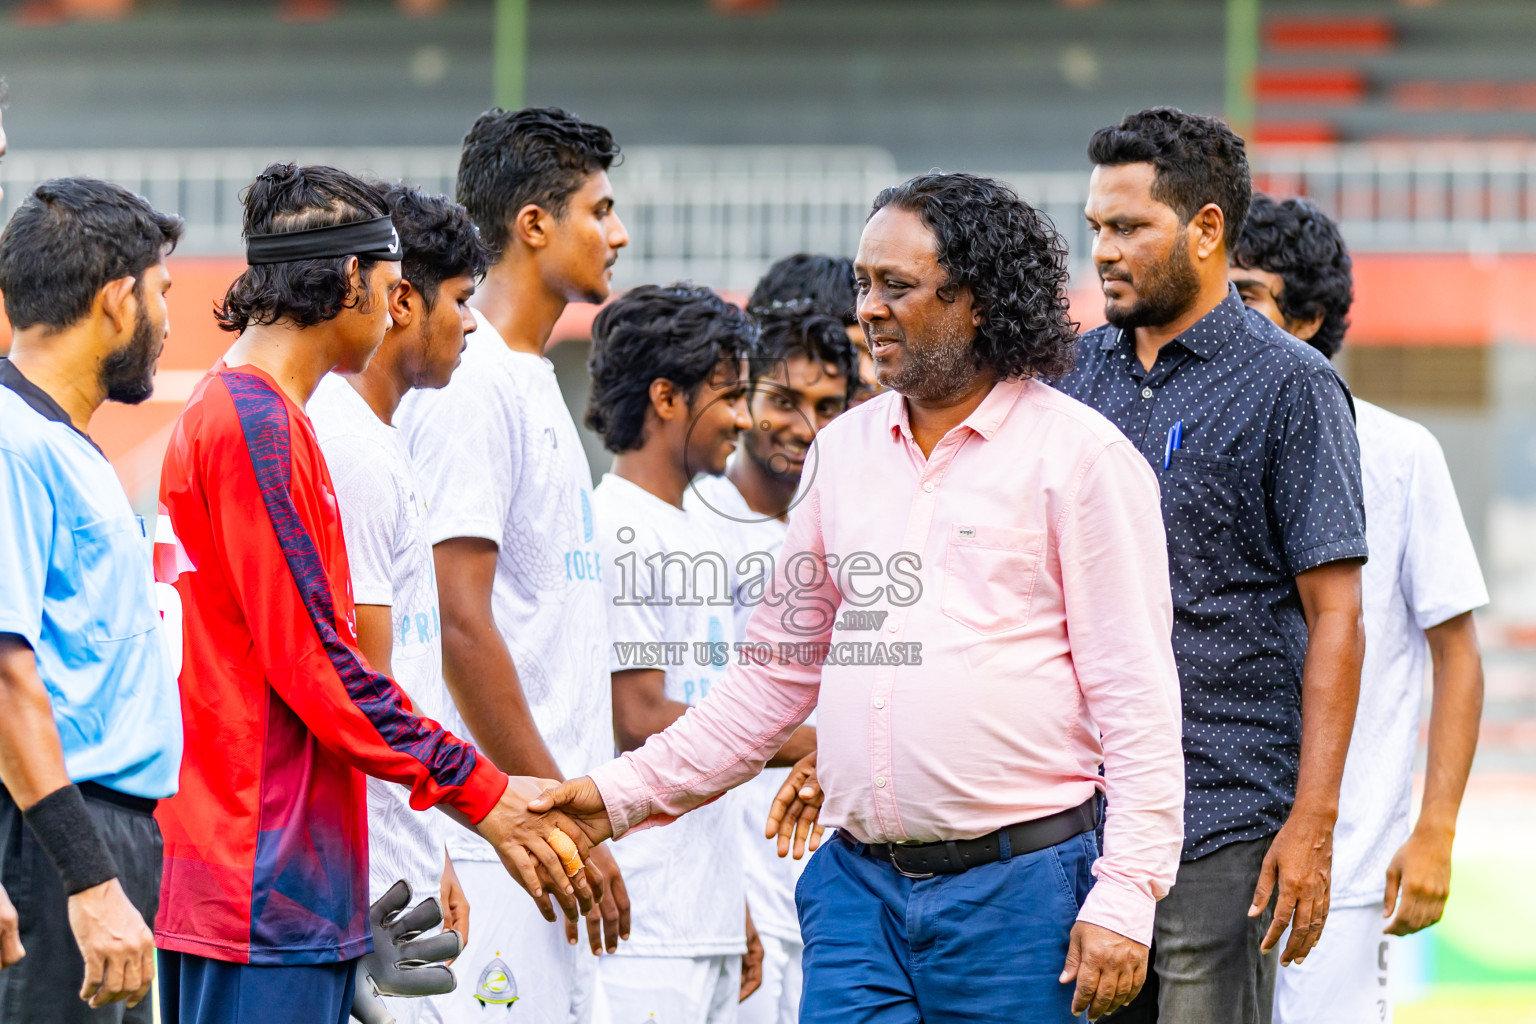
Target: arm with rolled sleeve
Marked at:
1120, 621
728, 737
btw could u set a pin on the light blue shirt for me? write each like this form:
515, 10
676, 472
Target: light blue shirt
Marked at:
77, 584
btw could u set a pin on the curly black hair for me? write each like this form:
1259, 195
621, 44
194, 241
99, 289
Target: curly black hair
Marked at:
68, 240
1198, 160
1301, 244
679, 333
823, 281
535, 156
288, 197
804, 329
437, 239
1012, 259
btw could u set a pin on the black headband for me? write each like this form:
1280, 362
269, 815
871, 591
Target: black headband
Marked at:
374, 239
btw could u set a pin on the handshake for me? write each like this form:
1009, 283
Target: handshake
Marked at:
546, 849
543, 831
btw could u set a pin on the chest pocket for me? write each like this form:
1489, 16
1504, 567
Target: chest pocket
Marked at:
112, 559
1201, 495
989, 576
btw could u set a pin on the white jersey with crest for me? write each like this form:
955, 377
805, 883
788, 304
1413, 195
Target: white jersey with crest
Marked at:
685, 882
499, 458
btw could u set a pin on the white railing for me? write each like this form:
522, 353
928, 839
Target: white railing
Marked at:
1416, 197
717, 214
1452, 197
720, 214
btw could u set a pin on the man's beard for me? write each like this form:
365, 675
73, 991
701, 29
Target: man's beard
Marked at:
775, 466
128, 375
1168, 290
942, 366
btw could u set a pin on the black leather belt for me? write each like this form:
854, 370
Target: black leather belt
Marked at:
924, 860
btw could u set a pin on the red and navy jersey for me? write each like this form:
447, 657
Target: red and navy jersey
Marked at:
266, 842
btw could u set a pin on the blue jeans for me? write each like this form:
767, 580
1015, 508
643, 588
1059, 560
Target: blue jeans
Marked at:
197, 990
986, 945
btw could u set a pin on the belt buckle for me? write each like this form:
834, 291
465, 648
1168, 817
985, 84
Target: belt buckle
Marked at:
916, 876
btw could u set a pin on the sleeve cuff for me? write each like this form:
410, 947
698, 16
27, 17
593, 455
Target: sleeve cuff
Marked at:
625, 795
480, 792
480, 529
1321, 554
1120, 908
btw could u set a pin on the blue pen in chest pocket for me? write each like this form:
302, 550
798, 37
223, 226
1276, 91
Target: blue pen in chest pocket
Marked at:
1175, 442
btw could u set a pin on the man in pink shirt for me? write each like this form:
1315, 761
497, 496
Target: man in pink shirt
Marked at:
973, 596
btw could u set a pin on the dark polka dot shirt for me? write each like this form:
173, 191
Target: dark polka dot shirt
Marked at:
1266, 485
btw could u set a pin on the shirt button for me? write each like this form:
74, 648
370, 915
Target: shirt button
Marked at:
928, 486
879, 703
880, 781
1146, 392
893, 627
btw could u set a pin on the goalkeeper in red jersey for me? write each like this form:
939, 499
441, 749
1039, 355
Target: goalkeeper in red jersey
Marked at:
264, 900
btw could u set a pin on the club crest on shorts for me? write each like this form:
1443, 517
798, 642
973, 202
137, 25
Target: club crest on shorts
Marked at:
497, 986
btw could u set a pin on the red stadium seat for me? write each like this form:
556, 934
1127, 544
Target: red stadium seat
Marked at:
1360, 34
1295, 132
1313, 86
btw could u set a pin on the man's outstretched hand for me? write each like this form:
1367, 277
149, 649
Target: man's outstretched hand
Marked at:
1108, 967
793, 815
521, 835
579, 799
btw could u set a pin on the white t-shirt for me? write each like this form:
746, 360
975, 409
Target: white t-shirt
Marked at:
499, 458
685, 878
745, 534
1422, 571
384, 521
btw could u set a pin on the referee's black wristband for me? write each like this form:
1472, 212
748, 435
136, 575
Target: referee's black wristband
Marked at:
64, 830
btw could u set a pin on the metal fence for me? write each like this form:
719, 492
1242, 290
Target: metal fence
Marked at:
719, 214
716, 214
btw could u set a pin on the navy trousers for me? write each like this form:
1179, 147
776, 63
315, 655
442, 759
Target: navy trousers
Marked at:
986, 945
197, 990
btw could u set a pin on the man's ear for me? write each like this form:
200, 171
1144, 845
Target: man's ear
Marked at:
1305, 329
357, 290
667, 400
1210, 226
531, 226
119, 303
404, 303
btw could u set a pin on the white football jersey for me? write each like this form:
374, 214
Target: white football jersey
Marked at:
746, 535
384, 522
669, 607
1422, 571
500, 459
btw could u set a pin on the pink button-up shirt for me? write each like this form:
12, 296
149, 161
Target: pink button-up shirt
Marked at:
978, 630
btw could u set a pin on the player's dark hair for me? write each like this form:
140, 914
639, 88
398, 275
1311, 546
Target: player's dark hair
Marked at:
288, 197
1011, 258
805, 330
1301, 244
825, 281
68, 240
535, 156
437, 240
679, 333
1197, 159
